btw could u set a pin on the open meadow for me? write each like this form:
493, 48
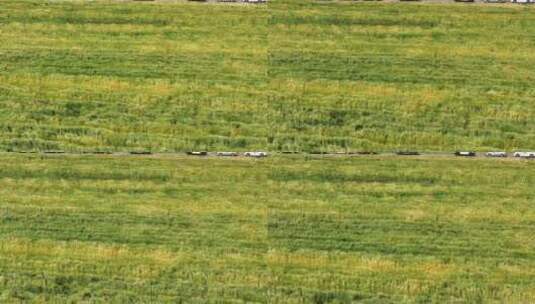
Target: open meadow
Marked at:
300, 75
281, 230
290, 75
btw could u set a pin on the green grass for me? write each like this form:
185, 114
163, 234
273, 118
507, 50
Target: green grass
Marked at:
281, 230
432, 77
290, 75
118, 76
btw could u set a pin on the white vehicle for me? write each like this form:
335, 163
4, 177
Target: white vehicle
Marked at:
197, 153
522, 1
227, 154
465, 153
525, 154
255, 154
496, 154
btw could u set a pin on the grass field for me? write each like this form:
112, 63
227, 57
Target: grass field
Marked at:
291, 75
431, 77
280, 230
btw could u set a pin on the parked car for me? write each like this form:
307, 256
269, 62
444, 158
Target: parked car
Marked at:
366, 152
524, 154
140, 152
197, 153
465, 153
318, 152
255, 154
407, 153
227, 154
496, 154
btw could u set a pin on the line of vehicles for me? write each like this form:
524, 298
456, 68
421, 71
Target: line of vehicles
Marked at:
256, 154
260, 154
485, 1
240, 1
503, 154
465, 1
515, 154
528, 155
501, 1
